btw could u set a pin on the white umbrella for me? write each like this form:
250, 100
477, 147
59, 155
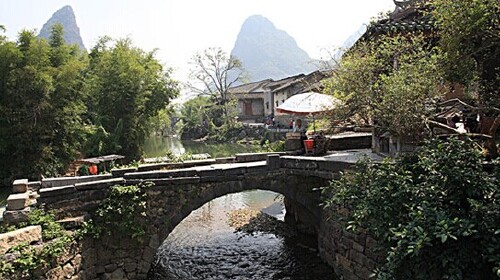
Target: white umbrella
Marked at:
308, 103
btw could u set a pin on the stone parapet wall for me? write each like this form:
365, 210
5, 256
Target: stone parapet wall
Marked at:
78, 199
352, 255
348, 142
64, 181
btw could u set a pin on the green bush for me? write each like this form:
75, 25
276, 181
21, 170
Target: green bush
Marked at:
436, 212
30, 258
278, 146
122, 212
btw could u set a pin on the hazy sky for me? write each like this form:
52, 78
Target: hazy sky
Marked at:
180, 28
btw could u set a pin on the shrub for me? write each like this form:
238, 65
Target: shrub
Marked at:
30, 258
436, 212
121, 212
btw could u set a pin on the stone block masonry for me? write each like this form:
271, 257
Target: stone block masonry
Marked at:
177, 192
354, 256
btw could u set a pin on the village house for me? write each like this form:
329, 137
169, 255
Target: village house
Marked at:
251, 98
257, 101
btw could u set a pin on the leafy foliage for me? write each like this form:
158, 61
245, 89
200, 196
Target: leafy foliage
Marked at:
390, 81
127, 87
40, 124
30, 258
122, 212
470, 37
57, 103
277, 146
197, 117
437, 212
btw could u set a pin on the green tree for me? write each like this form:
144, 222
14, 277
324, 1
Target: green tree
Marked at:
389, 80
196, 115
41, 104
436, 213
127, 87
163, 123
470, 37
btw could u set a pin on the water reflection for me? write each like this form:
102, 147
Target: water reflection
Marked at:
204, 246
157, 146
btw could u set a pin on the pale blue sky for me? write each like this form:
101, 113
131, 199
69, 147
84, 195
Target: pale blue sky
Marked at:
180, 28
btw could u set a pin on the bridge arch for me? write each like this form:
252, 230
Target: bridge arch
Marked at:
168, 204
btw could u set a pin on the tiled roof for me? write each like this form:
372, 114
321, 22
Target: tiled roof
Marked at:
250, 87
411, 19
310, 80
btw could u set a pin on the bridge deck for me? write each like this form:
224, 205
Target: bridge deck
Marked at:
349, 156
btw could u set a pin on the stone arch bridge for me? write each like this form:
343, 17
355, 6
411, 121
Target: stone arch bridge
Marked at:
185, 187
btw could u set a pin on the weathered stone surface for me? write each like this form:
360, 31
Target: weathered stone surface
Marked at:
358, 257
225, 160
16, 216
167, 181
20, 186
355, 141
25, 235
130, 266
152, 166
110, 267
68, 270
118, 274
35, 185
302, 163
119, 172
363, 272
333, 166
97, 185
18, 201
249, 157
191, 163
56, 191
77, 262
55, 273
154, 241
273, 162
149, 254
358, 247
72, 222
65, 181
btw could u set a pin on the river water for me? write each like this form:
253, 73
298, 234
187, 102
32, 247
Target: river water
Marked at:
207, 244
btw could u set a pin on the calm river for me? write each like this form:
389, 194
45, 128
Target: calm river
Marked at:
206, 245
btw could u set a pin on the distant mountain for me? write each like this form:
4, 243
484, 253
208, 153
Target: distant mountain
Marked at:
66, 18
349, 42
267, 52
